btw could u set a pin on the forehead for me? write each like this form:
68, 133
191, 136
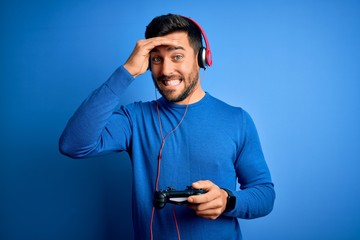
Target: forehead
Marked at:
180, 37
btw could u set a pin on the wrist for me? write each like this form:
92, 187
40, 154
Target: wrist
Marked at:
230, 200
131, 70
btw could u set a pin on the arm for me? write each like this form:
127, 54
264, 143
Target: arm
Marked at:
96, 127
251, 203
88, 131
257, 195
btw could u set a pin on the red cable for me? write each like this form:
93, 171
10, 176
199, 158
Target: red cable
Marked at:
160, 157
159, 165
176, 223
151, 222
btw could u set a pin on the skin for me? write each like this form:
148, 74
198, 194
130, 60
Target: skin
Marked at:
175, 72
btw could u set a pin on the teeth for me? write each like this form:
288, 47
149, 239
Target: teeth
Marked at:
172, 82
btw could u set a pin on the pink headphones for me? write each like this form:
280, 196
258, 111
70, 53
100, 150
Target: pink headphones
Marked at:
205, 57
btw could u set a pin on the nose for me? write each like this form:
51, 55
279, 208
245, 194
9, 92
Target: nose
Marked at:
167, 67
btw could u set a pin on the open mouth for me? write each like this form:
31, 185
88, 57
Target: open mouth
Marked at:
171, 81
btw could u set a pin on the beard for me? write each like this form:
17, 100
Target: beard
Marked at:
169, 94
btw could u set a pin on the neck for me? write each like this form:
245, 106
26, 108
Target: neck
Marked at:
193, 97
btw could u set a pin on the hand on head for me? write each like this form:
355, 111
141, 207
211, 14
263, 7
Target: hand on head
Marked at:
138, 61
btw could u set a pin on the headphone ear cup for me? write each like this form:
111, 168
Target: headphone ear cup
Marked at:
202, 58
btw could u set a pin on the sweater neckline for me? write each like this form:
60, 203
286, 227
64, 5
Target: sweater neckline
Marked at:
202, 101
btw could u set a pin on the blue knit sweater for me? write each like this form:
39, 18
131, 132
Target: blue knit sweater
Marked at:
215, 142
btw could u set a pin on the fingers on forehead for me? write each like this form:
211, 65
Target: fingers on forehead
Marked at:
159, 41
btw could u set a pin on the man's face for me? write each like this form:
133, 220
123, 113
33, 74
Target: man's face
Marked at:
174, 69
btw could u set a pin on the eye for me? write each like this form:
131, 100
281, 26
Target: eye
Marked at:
156, 59
178, 57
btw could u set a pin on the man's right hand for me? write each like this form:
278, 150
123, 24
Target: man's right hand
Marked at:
138, 62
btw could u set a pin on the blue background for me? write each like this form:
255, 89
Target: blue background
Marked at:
293, 65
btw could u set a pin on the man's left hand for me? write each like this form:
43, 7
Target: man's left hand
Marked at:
211, 204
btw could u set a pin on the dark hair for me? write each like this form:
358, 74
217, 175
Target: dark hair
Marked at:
166, 24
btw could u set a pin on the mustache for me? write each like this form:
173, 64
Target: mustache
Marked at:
169, 77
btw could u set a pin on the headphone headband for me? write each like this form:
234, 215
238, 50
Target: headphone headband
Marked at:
205, 55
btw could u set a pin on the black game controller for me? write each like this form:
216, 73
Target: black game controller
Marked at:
175, 197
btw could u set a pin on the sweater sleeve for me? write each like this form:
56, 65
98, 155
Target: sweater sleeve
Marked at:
91, 129
256, 195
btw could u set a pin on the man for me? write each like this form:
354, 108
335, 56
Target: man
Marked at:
185, 138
